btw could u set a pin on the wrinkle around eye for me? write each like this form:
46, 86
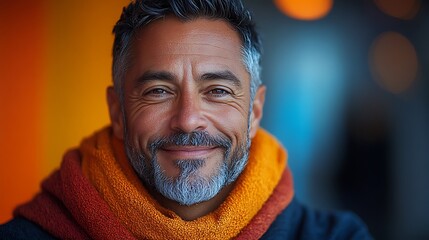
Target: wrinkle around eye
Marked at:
236, 101
135, 106
139, 101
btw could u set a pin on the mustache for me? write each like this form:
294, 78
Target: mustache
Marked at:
197, 138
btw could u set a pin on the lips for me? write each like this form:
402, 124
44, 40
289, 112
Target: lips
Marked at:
188, 152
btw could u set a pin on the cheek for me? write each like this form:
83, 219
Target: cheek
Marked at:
144, 124
231, 122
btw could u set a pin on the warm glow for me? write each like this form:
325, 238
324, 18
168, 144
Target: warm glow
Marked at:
403, 9
305, 9
54, 69
21, 90
393, 62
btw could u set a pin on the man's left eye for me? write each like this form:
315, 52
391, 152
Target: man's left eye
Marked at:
219, 92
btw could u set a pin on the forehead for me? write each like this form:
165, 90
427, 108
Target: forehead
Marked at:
202, 40
170, 31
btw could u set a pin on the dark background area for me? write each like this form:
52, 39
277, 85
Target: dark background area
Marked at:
354, 141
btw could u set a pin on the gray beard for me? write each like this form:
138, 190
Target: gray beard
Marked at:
189, 187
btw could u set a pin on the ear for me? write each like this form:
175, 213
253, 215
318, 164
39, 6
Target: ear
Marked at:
258, 107
115, 112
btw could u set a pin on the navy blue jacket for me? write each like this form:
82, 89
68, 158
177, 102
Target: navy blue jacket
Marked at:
295, 222
300, 222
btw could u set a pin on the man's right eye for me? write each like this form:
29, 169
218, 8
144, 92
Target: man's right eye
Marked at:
156, 91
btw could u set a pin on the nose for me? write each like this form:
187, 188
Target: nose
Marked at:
188, 116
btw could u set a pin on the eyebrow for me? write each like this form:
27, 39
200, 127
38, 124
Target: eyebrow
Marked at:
155, 75
165, 75
222, 75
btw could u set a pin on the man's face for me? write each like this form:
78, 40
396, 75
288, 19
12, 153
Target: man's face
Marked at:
187, 108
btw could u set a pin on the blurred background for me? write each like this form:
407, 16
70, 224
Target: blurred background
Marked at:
348, 96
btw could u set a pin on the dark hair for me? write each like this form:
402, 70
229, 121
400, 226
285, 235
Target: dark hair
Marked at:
141, 12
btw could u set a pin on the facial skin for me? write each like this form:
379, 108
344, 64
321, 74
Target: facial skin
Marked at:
187, 78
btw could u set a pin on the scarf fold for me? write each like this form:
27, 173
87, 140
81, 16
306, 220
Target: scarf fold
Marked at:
96, 194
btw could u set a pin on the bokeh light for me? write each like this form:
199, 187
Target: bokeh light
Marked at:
393, 62
304, 9
402, 9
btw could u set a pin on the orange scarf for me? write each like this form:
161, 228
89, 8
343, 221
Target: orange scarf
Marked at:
105, 164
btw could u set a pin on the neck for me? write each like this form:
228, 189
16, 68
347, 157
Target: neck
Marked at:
192, 212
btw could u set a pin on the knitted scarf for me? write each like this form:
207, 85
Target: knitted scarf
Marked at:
96, 194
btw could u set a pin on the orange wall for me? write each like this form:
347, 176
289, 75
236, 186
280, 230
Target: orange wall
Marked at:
55, 61
21, 89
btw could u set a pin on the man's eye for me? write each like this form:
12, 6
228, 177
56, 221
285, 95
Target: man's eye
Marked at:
218, 92
157, 92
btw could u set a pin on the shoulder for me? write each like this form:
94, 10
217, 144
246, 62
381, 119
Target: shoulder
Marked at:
300, 222
20, 228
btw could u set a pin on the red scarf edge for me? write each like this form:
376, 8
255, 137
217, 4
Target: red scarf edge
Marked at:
70, 207
278, 201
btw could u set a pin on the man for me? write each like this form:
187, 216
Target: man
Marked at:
184, 157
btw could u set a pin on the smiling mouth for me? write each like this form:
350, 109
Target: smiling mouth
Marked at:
188, 152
